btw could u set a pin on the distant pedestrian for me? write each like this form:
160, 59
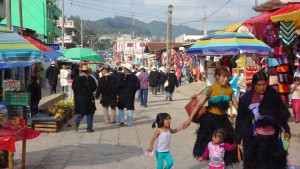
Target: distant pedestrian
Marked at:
35, 96
52, 76
295, 91
107, 88
179, 75
172, 82
129, 84
83, 87
162, 79
63, 78
162, 136
154, 76
144, 83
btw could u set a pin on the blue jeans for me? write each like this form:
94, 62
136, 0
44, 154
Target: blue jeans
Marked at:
137, 96
143, 96
89, 120
129, 116
154, 89
64, 89
169, 95
179, 81
161, 156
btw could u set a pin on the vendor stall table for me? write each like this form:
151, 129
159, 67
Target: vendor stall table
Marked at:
8, 137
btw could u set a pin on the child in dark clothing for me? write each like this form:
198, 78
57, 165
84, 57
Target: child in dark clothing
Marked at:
35, 95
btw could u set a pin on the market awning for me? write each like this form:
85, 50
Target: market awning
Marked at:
37, 44
293, 16
233, 27
16, 51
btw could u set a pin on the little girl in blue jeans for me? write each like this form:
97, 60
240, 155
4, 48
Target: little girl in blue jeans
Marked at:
163, 137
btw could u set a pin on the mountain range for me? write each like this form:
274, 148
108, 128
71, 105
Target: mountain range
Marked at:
122, 25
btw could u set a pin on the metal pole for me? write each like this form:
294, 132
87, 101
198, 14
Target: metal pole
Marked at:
8, 14
81, 32
63, 25
170, 46
167, 39
205, 22
21, 17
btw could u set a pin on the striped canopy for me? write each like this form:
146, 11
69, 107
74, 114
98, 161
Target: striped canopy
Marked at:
16, 51
228, 43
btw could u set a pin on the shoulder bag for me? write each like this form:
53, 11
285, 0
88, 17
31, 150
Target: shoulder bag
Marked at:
192, 105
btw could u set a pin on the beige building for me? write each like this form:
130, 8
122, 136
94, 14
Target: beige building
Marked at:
187, 38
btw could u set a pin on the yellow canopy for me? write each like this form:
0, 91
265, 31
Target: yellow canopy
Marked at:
233, 27
292, 16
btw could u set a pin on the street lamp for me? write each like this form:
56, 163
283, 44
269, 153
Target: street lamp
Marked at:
170, 10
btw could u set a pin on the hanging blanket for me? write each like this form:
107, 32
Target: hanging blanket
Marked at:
270, 33
287, 32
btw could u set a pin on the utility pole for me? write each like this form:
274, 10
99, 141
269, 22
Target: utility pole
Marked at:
81, 32
132, 28
205, 22
63, 25
21, 17
8, 14
256, 3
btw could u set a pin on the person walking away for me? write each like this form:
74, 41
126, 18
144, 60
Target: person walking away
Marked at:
162, 136
172, 82
129, 84
83, 87
215, 150
137, 94
107, 88
154, 76
262, 120
63, 78
218, 96
144, 83
179, 75
52, 76
295, 91
162, 79
35, 96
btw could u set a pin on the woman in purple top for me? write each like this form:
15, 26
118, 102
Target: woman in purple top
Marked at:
144, 83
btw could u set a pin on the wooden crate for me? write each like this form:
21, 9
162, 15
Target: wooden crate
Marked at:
46, 126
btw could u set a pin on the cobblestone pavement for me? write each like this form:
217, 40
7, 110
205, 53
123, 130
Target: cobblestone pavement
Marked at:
115, 147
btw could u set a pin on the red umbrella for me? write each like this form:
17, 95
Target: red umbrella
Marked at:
37, 44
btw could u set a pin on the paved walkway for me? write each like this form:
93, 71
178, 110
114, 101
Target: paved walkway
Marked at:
115, 147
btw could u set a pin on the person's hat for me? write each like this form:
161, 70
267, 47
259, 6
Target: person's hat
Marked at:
106, 67
53, 62
127, 66
162, 69
171, 69
85, 68
153, 68
143, 68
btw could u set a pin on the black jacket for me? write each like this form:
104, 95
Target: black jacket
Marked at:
172, 79
35, 92
162, 78
128, 86
107, 88
83, 87
52, 74
154, 76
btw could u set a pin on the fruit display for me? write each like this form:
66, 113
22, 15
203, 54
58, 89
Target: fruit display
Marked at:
60, 108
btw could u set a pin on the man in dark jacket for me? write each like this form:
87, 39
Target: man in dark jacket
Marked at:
154, 76
127, 88
52, 76
161, 80
35, 96
107, 88
172, 82
83, 87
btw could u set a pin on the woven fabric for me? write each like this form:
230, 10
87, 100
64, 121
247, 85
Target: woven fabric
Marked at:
270, 33
287, 32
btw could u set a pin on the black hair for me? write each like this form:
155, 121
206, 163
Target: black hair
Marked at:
220, 133
296, 79
258, 76
120, 68
34, 78
160, 119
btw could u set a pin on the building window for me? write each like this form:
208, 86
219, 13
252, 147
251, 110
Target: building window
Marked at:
142, 44
129, 44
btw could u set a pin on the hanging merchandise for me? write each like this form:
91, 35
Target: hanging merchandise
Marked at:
273, 62
273, 80
283, 68
283, 87
250, 71
283, 60
270, 33
287, 32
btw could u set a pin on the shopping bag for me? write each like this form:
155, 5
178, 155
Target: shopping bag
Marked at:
166, 83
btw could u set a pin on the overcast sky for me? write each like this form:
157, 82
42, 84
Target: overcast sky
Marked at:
185, 12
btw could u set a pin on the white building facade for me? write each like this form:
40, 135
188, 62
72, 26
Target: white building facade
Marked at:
187, 38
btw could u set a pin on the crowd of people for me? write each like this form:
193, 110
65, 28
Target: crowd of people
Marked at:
262, 118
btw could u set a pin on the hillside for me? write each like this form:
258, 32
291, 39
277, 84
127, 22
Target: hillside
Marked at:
122, 25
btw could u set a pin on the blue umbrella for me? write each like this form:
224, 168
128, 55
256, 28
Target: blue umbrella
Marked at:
52, 55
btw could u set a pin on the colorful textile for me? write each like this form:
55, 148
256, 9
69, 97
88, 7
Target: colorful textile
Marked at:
270, 33
287, 32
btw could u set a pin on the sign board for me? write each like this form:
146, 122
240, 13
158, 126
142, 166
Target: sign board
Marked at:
54, 46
